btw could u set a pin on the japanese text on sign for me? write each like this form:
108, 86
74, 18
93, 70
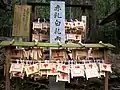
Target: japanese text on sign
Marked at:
57, 21
21, 21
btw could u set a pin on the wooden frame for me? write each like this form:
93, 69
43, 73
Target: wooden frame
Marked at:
9, 44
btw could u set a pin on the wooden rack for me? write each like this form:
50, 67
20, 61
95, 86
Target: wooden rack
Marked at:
9, 46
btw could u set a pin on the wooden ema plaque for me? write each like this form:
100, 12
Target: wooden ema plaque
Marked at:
41, 26
59, 54
81, 54
40, 37
34, 54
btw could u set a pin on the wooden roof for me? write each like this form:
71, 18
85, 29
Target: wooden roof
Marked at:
42, 44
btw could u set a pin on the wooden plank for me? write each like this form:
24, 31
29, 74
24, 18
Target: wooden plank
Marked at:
98, 45
88, 6
7, 66
21, 21
106, 73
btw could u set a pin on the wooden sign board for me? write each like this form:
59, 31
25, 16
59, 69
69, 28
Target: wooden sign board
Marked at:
21, 21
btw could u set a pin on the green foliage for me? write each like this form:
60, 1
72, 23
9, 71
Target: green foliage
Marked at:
108, 31
5, 18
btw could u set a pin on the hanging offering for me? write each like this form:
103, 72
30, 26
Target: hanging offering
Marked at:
77, 70
63, 68
81, 54
43, 37
91, 73
39, 52
70, 36
31, 69
90, 53
35, 37
105, 67
26, 54
67, 25
91, 70
63, 77
37, 25
15, 67
58, 54
91, 66
53, 70
78, 37
45, 66
45, 25
33, 54
72, 25
79, 25
17, 54
17, 74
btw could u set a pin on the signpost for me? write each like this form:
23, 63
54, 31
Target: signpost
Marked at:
57, 34
57, 21
21, 21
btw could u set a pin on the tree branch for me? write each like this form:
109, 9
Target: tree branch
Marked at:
4, 6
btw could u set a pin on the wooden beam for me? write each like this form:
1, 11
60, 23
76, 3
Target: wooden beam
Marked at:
7, 66
66, 5
106, 73
41, 44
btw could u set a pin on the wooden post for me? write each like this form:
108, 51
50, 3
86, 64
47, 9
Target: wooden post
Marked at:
7, 66
106, 73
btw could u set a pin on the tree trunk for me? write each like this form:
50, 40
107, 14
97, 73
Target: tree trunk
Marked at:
92, 22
